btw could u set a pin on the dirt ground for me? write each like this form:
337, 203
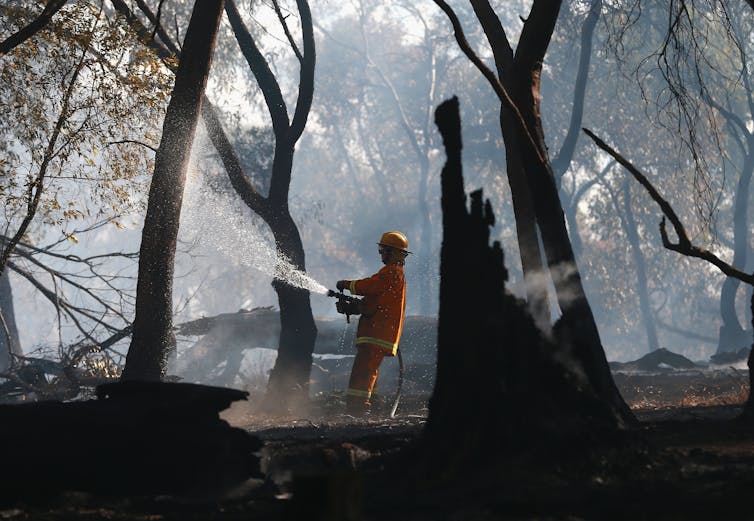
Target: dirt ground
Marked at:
689, 459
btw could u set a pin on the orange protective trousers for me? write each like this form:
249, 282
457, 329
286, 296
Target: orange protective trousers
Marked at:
366, 368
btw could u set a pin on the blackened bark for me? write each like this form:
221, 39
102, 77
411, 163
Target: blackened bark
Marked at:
153, 337
576, 325
464, 387
501, 385
288, 386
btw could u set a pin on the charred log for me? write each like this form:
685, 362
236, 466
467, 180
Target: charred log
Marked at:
137, 438
501, 385
224, 340
659, 360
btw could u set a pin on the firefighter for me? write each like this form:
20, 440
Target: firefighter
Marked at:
381, 321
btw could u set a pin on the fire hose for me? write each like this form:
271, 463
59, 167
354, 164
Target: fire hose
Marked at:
349, 305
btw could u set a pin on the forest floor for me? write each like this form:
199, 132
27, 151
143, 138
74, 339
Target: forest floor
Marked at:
689, 458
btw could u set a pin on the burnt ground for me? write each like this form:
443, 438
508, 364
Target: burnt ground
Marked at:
688, 459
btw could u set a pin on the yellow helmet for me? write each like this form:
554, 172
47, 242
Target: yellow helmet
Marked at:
395, 240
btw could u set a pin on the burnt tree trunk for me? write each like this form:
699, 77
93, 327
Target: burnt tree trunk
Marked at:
500, 384
288, 386
153, 336
577, 326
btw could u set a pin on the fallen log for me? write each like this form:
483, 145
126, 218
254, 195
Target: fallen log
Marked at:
657, 360
137, 438
223, 339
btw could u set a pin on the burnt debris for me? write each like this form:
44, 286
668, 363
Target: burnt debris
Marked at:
137, 438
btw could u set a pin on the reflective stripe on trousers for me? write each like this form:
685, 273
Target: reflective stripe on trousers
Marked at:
366, 368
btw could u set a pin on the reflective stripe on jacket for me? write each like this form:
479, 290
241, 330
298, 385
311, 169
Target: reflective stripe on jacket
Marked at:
383, 306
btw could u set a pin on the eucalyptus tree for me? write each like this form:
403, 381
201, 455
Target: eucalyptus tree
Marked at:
153, 337
288, 384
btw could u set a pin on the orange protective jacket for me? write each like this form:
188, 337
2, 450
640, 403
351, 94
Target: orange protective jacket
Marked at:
382, 308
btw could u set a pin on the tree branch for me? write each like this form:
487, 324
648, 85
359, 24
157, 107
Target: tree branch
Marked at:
498, 87
683, 246
306, 75
231, 162
29, 30
563, 159
135, 142
287, 31
261, 70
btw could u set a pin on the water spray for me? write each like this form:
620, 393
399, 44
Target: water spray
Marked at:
238, 236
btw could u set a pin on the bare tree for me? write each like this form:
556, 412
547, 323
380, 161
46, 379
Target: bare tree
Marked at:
92, 304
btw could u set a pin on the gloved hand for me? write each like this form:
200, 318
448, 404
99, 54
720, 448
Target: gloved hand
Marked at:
352, 307
341, 285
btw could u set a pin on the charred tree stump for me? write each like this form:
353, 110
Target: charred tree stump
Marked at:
501, 385
138, 438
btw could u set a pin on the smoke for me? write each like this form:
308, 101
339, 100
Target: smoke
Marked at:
544, 283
